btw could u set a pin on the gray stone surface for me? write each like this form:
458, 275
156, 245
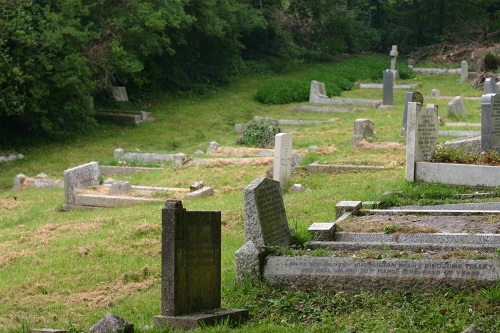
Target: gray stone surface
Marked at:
453, 174
249, 260
120, 188
107, 170
435, 93
198, 152
472, 329
421, 136
282, 167
19, 180
323, 109
201, 193
111, 323
410, 97
464, 71
456, 107
322, 231
212, 147
80, 177
120, 154
343, 207
297, 188
490, 86
349, 274
396, 86
317, 93
469, 146
490, 122
363, 129
388, 94
264, 214
120, 94
458, 133
394, 55
438, 70
197, 185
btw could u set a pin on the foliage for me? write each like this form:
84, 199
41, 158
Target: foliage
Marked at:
491, 62
260, 134
443, 154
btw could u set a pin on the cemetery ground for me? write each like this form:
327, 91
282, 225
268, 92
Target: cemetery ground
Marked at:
67, 269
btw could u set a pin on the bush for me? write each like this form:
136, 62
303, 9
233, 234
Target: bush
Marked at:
491, 62
259, 134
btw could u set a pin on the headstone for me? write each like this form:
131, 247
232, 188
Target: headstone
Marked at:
191, 269
197, 185
490, 86
421, 137
410, 97
120, 188
264, 214
322, 231
464, 71
19, 180
435, 93
388, 93
343, 207
201, 193
456, 107
120, 94
111, 323
363, 129
282, 158
212, 147
317, 93
411, 63
199, 152
297, 188
394, 56
82, 176
490, 122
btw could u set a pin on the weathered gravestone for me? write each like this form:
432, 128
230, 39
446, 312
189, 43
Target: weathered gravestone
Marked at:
282, 158
456, 107
80, 177
421, 137
490, 122
388, 93
464, 71
410, 97
363, 129
266, 224
191, 269
317, 93
120, 94
490, 86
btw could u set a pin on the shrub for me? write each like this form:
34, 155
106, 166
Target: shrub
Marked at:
259, 134
283, 92
491, 62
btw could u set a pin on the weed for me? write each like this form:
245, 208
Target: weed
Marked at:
260, 134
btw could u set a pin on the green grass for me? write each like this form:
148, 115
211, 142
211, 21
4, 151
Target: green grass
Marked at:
68, 269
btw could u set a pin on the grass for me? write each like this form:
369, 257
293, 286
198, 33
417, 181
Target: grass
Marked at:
68, 269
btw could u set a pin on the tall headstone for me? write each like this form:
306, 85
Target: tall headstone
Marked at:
282, 158
388, 88
421, 137
456, 107
191, 269
490, 86
464, 71
264, 214
394, 56
490, 122
266, 224
410, 97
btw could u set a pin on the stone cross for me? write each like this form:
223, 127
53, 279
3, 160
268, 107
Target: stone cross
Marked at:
394, 56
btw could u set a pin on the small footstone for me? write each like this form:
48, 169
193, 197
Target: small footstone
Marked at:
111, 323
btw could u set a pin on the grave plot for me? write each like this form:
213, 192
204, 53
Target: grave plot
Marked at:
83, 190
421, 142
430, 255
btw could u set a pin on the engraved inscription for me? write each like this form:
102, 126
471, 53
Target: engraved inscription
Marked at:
426, 132
272, 215
495, 122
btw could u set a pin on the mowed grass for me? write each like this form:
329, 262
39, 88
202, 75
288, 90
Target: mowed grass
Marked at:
68, 269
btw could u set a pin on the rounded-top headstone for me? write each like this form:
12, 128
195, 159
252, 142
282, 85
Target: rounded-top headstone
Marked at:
212, 147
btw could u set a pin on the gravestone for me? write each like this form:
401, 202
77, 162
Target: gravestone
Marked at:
410, 97
464, 71
282, 158
394, 56
421, 137
111, 323
120, 94
490, 86
388, 93
266, 224
191, 269
363, 129
435, 93
120, 188
82, 176
456, 107
317, 93
490, 122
